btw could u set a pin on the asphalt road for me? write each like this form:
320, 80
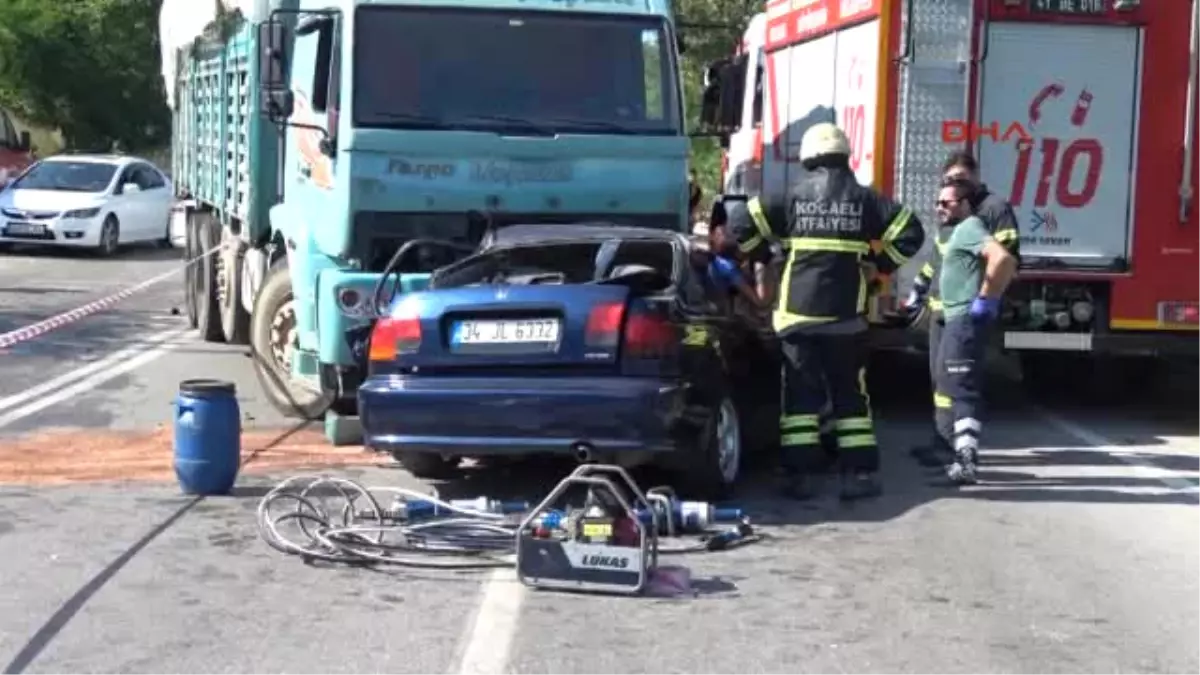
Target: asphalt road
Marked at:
1077, 553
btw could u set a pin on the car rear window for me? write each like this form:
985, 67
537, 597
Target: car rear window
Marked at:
564, 263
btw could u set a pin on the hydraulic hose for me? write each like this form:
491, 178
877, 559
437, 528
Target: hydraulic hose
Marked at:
337, 520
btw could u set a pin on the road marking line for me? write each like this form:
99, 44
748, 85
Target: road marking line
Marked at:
108, 361
490, 638
98, 373
1118, 451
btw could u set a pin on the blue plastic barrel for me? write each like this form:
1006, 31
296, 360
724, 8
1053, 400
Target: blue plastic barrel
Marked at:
208, 437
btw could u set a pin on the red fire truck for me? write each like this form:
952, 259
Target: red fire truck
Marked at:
15, 153
1081, 112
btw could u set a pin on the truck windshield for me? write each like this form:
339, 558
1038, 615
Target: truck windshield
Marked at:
525, 72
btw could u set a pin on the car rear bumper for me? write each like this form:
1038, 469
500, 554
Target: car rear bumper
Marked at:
519, 415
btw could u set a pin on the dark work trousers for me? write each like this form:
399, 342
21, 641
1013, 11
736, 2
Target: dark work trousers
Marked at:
818, 368
936, 327
958, 393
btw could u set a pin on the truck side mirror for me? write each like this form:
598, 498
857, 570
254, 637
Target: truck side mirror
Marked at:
277, 105
711, 96
733, 91
272, 55
24, 143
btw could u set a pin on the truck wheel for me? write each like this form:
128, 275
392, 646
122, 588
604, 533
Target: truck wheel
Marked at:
273, 344
235, 320
428, 465
190, 272
714, 472
204, 289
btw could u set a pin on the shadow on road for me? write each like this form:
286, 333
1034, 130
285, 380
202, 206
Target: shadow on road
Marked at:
139, 252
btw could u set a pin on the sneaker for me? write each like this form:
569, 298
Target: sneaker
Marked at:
962, 471
860, 485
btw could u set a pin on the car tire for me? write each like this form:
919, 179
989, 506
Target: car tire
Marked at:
208, 314
165, 242
110, 237
714, 472
274, 376
427, 465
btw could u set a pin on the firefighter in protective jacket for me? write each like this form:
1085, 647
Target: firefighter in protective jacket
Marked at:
824, 230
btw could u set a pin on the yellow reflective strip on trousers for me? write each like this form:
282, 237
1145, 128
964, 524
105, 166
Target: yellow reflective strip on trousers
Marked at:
750, 244
927, 271
897, 225
754, 206
940, 246
942, 401
806, 438
1004, 236
860, 441
935, 304
854, 424
829, 245
863, 287
799, 421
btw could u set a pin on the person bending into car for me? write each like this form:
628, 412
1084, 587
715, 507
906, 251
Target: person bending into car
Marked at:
827, 224
998, 217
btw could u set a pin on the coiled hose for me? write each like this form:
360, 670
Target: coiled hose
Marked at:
361, 531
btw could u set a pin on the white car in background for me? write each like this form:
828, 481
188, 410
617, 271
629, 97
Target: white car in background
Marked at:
98, 202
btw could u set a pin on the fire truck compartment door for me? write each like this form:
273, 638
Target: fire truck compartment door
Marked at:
1063, 103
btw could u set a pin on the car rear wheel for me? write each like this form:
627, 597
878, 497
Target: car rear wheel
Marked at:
715, 471
428, 465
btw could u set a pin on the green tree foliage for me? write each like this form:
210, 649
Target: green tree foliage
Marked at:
87, 67
711, 30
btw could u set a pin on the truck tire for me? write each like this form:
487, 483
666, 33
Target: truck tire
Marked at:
190, 271
204, 287
272, 339
235, 320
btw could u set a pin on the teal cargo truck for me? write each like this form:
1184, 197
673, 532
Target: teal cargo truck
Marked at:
314, 141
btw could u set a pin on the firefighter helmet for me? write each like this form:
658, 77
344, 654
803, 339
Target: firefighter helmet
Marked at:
824, 138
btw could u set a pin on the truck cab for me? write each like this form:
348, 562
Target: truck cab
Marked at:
381, 123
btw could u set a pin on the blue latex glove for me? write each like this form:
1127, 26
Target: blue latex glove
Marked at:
723, 271
985, 309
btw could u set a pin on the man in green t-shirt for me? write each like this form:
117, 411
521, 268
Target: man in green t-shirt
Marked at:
976, 269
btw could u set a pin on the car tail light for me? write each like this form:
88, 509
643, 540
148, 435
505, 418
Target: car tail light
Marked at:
1179, 312
649, 335
393, 336
604, 325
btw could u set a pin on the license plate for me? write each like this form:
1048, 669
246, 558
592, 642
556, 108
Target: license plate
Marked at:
506, 332
25, 229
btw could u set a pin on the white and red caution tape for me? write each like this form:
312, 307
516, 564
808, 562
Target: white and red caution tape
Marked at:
57, 321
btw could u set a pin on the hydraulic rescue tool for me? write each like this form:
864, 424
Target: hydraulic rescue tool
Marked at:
609, 544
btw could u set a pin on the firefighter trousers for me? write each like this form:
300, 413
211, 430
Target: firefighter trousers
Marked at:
958, 385
821, 368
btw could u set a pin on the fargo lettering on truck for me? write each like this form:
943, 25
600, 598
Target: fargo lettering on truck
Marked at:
403, 167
